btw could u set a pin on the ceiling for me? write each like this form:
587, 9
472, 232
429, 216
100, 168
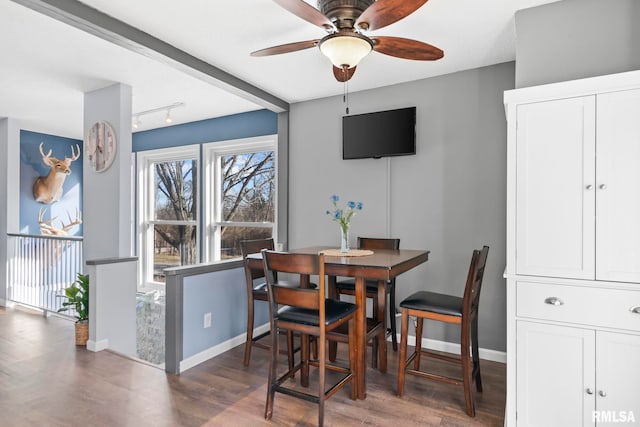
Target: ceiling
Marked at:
47, 65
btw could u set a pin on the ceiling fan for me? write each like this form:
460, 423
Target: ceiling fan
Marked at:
346, 21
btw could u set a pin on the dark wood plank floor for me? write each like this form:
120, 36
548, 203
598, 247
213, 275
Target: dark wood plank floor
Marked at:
46, 381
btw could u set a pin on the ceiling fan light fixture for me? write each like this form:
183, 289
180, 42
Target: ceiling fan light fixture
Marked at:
345, 49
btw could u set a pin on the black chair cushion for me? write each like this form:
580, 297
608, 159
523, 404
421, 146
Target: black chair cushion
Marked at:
334, 311
350, 285
434, 302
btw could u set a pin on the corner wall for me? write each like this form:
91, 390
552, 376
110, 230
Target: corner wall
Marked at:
449, 198
573, 39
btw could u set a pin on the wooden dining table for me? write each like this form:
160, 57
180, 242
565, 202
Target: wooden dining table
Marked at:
381, 266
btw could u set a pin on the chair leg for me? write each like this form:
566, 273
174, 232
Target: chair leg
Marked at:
304, 354
375, 344
402, 357
247, 345
465, 357
392, 317
418, 349
290, 352
273, 366
475, 353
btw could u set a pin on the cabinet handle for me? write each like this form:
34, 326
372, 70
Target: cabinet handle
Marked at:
635, 310
554, 301
589, 391
602, 393
603, 186
589, 187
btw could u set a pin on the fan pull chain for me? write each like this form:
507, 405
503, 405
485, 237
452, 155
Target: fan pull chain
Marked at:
345, 91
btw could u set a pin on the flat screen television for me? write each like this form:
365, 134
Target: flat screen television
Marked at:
379, 134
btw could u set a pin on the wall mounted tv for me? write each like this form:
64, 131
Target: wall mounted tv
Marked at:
379, 134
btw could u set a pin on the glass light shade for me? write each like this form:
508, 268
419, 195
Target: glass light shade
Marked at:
345, 50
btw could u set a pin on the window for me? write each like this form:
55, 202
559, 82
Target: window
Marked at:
239, 202
242, 200
168, 210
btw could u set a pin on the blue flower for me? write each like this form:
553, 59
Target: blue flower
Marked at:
343, 216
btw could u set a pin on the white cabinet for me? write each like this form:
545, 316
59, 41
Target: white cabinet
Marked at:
573, 253
578, 187
584, 378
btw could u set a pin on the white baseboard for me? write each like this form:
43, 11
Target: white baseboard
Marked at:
212, 352
97, 345
196, 359
449, 347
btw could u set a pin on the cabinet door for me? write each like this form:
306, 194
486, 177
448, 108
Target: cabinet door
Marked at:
617, 377
555, 196
618, 187
555, 367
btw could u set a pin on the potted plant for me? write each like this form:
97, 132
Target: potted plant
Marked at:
77, 296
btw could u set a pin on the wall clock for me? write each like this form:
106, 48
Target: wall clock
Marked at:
100, 146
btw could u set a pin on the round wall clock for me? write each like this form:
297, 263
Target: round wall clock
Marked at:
100, 146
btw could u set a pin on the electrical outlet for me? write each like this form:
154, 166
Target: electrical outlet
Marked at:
207, 320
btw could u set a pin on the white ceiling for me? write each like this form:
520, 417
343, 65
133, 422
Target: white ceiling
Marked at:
47, 66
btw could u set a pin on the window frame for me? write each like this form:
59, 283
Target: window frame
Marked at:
146, 206
212, 194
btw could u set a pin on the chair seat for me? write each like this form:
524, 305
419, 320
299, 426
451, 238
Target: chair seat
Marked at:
334, 311
434, 302
350, 285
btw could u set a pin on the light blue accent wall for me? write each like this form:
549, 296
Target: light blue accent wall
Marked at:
236, 126
223, 294
31, 167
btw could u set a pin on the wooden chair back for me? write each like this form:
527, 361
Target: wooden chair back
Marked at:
248, 247
473, 286
378, 243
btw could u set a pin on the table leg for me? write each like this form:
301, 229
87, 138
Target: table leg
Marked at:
382, 317
333, 294
361, 337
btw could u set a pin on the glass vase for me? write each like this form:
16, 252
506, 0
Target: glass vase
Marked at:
344, 239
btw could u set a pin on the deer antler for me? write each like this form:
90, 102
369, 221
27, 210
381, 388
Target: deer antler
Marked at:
42, 152
47, 227
74, 155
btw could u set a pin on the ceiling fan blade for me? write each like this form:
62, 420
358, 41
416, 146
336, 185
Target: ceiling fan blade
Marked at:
286, 48
343, 75
386, 12
307, 12
406, 48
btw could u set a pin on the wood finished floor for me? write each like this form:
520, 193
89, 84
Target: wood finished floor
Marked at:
45, 380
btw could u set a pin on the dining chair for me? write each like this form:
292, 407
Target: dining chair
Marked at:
310, 313
462, 311
258, 292
348, 286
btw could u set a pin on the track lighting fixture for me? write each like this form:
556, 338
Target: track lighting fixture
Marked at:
167, 118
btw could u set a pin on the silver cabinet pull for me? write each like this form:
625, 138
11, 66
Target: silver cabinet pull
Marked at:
589, 187
603, 186
554, 301
635, 310
602, 393
589, 391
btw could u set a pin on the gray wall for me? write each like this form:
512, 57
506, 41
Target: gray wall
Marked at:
448, 198
572, 39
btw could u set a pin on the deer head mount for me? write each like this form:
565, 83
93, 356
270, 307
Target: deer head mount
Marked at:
48, 189
48, 229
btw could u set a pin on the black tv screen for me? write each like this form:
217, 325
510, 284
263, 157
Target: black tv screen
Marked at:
379, 134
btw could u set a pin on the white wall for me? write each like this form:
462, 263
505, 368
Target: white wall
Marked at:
572, 39
449, 198
9, 193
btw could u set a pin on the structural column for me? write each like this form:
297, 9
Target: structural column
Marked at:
9, 194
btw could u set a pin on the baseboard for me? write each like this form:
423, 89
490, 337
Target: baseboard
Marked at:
97, 345
212, 352
449, 347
